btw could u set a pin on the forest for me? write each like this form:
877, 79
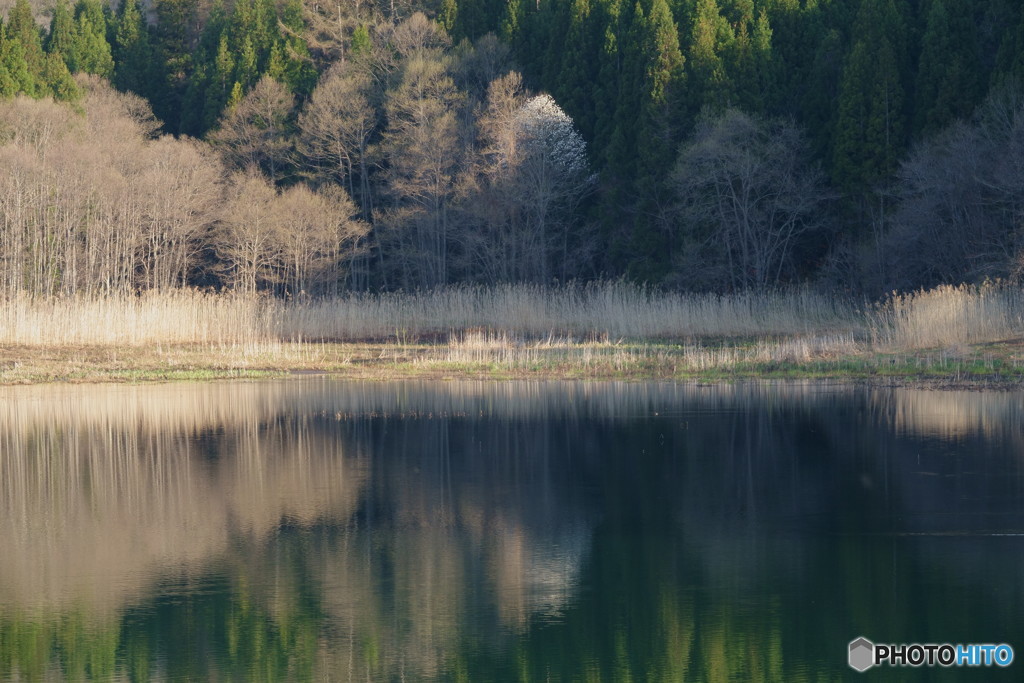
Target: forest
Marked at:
311, 147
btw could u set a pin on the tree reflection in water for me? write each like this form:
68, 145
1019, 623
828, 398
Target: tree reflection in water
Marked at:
499, 531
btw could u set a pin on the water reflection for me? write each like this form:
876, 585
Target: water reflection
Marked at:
499, 531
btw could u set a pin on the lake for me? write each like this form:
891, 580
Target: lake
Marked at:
502, 531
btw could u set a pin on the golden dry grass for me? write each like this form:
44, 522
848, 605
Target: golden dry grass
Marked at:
608, 310
947, 316
601, 330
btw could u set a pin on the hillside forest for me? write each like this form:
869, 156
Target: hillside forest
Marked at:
310, 147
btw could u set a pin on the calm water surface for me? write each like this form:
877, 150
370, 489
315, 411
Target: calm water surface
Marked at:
326, 530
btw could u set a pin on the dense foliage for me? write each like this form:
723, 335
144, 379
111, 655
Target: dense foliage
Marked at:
704, 144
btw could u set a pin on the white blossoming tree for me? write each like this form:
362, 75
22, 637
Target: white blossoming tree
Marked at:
533, 176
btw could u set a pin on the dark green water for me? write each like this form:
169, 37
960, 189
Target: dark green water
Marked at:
323, 530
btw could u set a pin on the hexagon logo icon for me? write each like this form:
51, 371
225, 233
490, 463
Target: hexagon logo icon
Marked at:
862, 654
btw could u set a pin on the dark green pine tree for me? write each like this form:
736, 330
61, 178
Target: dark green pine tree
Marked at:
645, 137
751, 65
580, 67
620, 156
360, 44
475, 18
871, 120
263, 33
1009, 64
608, 80
817, 102
711, 38
247, 70
512, 21
91, 53
62, 36
21, 27
448, 15
212, 76
792, 52
15, 77
658, 139
222, 82
174, 43
134, 67
553, 21
949, 73
57, 79
297, 71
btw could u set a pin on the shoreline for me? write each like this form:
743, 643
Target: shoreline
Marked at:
997, 366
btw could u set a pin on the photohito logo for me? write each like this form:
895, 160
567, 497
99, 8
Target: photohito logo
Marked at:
863, 654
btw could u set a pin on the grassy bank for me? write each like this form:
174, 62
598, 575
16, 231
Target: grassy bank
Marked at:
956, 335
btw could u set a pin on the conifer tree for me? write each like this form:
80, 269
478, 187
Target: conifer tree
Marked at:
360, 44
948, 75
21, 28
132, 51
298, 72
871, 121
752, 64
57, 79
448, 15
642, 146
175, 42
579, 67
511, 21
91, 53
1010, 59
61, 38
14, 73
711, 38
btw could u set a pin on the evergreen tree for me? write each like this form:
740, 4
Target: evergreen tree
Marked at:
21, 28
579, 66
62, 36
817, 104
512, 21
1010, 60
132, 51
643, 144
297, 70
448, 15
711, 38
15, 77
208, 84
751, 64
607, 87
247, 66
949, 74
871, 122
91, 53
360, 44
58, 81
474, 18
175, 41
554, 20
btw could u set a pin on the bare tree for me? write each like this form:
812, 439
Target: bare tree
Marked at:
961, 200
336, 127
492, 246
318, 239
249, 240
422, 153
178, 190
253, 134
747, 197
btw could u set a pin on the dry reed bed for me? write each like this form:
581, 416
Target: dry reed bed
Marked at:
611, 310
518, 325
